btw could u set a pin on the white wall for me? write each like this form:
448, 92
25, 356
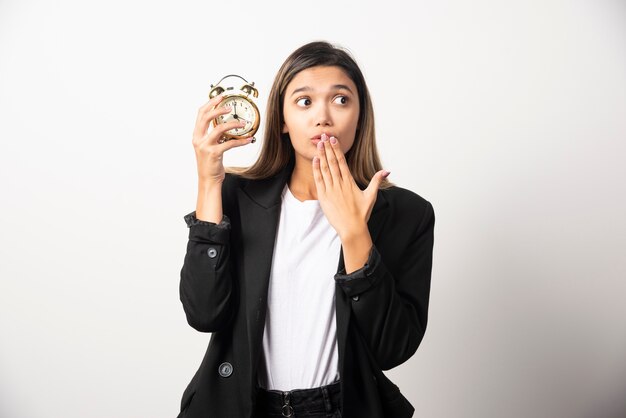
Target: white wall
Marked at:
509, 116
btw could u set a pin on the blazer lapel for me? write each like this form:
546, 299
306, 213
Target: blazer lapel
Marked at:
259, 210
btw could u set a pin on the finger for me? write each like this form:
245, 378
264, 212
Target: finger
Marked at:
346, 175
333, 161
206, 113
317, 176
233, 143
211, 103
372, 188
219, 131
201, 130
205, 119
325, 170
213, 137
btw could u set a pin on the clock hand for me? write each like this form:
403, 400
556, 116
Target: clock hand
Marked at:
240, 118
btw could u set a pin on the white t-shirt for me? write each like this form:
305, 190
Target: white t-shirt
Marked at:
300, 336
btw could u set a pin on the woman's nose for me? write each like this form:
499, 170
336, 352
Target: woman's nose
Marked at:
323, 116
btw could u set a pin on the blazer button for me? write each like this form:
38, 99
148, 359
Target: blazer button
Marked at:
355, 298
225, 369
212, 252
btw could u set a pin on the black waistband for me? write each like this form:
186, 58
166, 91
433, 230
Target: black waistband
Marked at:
299, 401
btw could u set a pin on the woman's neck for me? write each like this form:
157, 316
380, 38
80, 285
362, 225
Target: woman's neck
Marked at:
301, 183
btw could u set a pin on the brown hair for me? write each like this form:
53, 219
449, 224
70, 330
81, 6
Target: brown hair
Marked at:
276, 152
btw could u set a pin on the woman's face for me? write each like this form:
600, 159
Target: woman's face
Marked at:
320, 100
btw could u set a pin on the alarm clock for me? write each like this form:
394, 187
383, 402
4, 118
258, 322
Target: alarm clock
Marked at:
242, 105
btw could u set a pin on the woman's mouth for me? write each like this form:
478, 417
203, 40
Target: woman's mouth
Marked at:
318, 138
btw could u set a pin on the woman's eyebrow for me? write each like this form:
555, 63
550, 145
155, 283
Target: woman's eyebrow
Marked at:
334, 87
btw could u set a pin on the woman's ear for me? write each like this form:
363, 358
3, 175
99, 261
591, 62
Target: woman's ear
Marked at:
285, 129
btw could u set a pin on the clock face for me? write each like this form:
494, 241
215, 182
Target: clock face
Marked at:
242, 110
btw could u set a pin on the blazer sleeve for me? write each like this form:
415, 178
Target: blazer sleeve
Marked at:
391, 311
206, 284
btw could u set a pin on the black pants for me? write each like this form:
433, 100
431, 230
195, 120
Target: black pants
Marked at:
320, 402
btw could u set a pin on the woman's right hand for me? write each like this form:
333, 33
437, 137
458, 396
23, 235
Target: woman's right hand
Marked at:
209, 151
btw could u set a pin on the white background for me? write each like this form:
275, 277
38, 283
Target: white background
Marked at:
509, 116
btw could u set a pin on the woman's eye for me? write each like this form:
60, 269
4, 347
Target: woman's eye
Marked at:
340, 100
304, 101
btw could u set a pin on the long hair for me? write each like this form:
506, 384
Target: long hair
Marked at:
276, 152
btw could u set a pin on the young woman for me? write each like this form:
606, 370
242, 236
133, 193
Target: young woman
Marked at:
310, 269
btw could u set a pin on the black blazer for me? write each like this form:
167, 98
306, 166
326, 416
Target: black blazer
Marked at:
381, 308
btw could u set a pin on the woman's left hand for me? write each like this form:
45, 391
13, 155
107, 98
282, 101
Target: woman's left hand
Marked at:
345, 205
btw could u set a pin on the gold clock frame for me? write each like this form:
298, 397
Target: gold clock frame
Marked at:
244, 92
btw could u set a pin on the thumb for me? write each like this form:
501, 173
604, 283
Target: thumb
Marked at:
377, 179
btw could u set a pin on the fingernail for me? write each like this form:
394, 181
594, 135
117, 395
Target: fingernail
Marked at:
324, 137
333, 140
386, 173
320, 144
251, 139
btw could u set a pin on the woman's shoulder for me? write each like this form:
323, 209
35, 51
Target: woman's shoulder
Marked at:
413, 210
238, 181
405, 198
235, 182
232, 180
